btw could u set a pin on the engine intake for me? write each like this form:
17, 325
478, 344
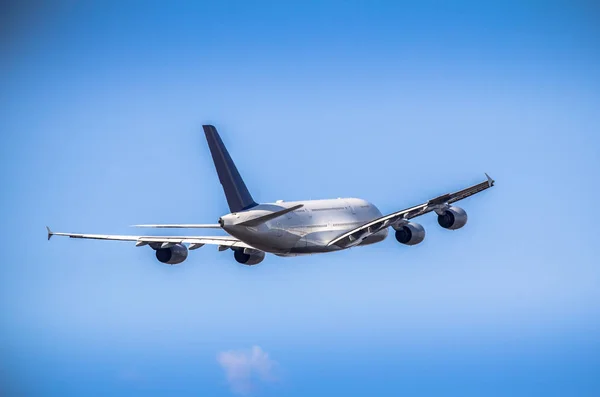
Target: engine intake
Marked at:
172, 255
410, 233
453, 218
248, 257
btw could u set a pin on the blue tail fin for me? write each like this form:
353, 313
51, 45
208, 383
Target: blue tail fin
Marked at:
236, 192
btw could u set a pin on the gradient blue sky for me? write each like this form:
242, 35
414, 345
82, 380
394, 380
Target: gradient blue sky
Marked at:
101, 107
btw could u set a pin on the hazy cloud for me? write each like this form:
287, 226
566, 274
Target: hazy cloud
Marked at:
246, 368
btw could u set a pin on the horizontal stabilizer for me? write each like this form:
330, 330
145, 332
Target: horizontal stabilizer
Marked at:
181, 226
268, 217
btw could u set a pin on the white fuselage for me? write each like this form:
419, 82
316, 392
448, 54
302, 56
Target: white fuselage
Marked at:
307, 230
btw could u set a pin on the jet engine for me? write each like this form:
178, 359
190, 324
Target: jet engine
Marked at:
248, 257
453, 218
172, 255
410, 233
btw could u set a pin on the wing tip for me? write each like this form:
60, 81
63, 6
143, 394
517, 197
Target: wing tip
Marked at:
50, 234
490, 181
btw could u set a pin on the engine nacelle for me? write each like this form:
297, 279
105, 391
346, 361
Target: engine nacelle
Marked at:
248, 257
453, 218
410, 233
172, 255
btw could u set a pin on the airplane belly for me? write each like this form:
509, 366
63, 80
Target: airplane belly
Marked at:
310, 231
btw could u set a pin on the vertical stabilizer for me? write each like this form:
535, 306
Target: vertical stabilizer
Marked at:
236, 192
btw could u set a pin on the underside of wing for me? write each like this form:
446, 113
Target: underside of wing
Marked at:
193, 241
173, 250
440, 204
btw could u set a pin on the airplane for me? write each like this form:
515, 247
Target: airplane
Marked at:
292, 228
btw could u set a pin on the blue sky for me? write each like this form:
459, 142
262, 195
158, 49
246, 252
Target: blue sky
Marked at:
101, 107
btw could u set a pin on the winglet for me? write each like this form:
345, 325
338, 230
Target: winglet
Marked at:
490, 181
50, 234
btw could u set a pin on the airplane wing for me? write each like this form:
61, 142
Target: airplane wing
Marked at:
355, 236
181, 226
193, 241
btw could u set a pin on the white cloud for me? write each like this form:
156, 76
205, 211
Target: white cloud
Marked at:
245, 368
